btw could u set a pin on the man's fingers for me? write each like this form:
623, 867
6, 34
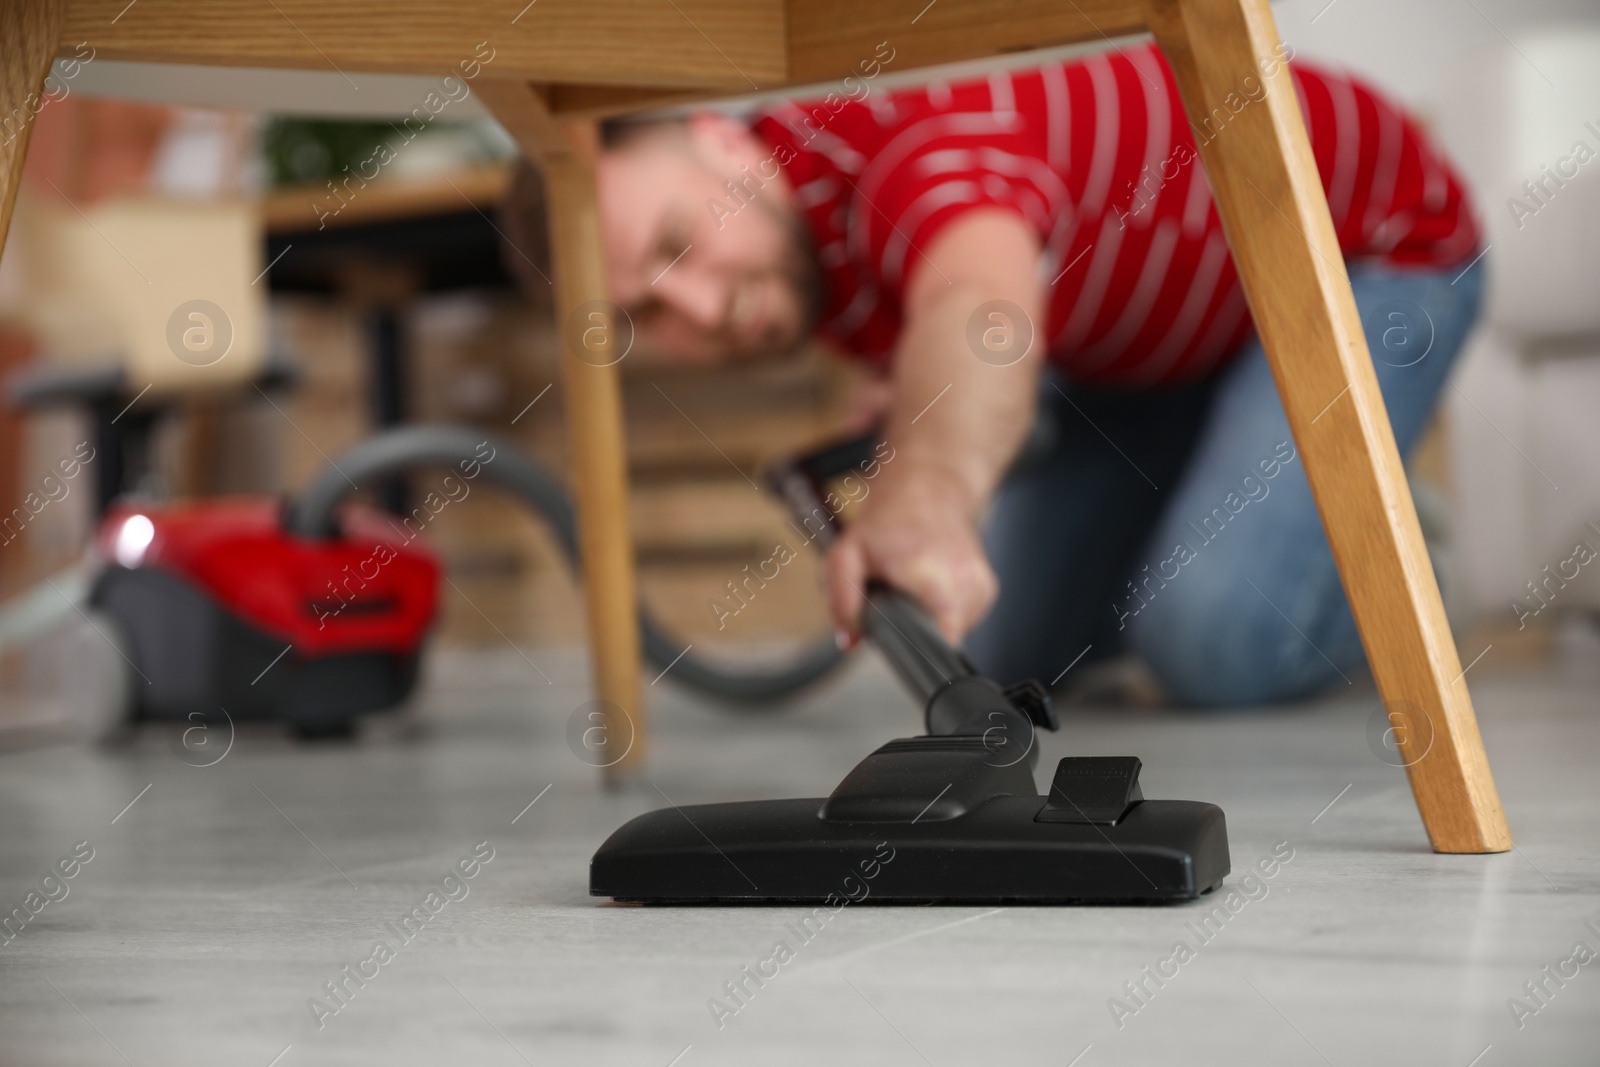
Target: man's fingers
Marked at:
985, 589
847, 578
952, 612
956, 592
933, 584
951, 580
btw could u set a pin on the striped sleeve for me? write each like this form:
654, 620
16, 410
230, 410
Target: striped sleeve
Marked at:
966, 147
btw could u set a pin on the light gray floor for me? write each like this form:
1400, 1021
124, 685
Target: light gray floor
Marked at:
225, 897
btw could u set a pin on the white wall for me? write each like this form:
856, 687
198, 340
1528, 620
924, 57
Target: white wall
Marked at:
1508, 87
1412, 46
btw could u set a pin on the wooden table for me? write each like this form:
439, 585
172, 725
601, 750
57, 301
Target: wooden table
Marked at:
559, 63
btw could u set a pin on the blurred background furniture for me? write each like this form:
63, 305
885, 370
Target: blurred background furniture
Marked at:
1524, 123
125, 283
377, 255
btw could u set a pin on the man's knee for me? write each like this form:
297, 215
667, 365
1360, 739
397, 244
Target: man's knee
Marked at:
1219, 641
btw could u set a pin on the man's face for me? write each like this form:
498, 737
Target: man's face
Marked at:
704, 286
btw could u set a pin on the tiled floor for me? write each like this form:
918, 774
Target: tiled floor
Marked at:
217, 906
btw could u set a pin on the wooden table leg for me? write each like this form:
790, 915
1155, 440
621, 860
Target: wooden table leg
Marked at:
566, 154
1276, 218
30, 33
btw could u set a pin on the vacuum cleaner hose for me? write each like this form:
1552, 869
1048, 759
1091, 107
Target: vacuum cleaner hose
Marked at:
312, 513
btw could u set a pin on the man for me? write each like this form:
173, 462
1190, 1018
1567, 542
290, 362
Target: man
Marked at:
1045, 242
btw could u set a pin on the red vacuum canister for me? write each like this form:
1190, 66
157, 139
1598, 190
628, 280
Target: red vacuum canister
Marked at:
218, 607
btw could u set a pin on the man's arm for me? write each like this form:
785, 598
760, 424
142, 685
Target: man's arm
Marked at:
955, 421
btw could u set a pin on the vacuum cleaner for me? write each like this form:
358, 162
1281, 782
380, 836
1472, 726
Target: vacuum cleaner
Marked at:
952, 816
216, 605
314, 610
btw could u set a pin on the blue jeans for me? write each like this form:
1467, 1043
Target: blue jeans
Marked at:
1177, 523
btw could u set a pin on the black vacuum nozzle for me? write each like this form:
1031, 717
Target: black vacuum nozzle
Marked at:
951, 816
928, 819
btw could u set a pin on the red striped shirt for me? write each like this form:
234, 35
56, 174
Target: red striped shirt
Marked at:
1098, 157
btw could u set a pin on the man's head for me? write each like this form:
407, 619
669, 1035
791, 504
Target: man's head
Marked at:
701, 285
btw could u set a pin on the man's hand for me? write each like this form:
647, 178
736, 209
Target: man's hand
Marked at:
917, 534
956, 418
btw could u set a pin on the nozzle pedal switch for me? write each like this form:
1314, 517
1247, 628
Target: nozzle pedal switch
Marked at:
1093, 790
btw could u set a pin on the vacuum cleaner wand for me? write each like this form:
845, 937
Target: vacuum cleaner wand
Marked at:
956, 699
951, 816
